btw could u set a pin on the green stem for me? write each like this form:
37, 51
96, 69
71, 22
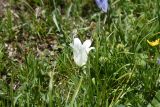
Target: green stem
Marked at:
97, 42
50, 89
158, 8
76, 92
11, 89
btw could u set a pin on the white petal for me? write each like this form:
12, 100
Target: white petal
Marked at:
77, 43
87, 43
80, 52
81, 58
90, 49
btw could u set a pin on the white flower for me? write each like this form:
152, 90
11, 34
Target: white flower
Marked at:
80, 51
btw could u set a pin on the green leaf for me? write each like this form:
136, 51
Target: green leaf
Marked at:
156, 101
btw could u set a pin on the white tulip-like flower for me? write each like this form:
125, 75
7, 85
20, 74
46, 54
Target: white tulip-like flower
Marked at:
80, 51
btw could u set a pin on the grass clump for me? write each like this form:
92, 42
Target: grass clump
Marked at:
36, 60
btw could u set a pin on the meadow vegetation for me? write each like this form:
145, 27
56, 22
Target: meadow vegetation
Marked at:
36, 60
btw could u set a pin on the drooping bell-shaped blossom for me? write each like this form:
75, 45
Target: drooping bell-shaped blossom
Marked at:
102, 4
81, 51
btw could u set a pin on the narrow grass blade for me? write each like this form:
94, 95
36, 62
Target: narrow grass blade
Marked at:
76, 92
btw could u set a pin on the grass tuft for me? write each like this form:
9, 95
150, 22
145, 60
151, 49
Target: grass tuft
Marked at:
36, 60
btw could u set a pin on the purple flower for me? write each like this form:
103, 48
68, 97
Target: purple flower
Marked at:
102, 4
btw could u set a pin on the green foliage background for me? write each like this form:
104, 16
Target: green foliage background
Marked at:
36, 62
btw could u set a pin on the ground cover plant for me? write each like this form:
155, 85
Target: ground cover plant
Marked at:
42, 64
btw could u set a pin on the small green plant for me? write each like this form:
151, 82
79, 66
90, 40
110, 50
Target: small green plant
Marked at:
39, 67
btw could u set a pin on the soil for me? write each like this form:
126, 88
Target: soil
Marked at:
3, 4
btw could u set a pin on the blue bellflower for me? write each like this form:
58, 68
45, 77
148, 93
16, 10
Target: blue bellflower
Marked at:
102, 4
